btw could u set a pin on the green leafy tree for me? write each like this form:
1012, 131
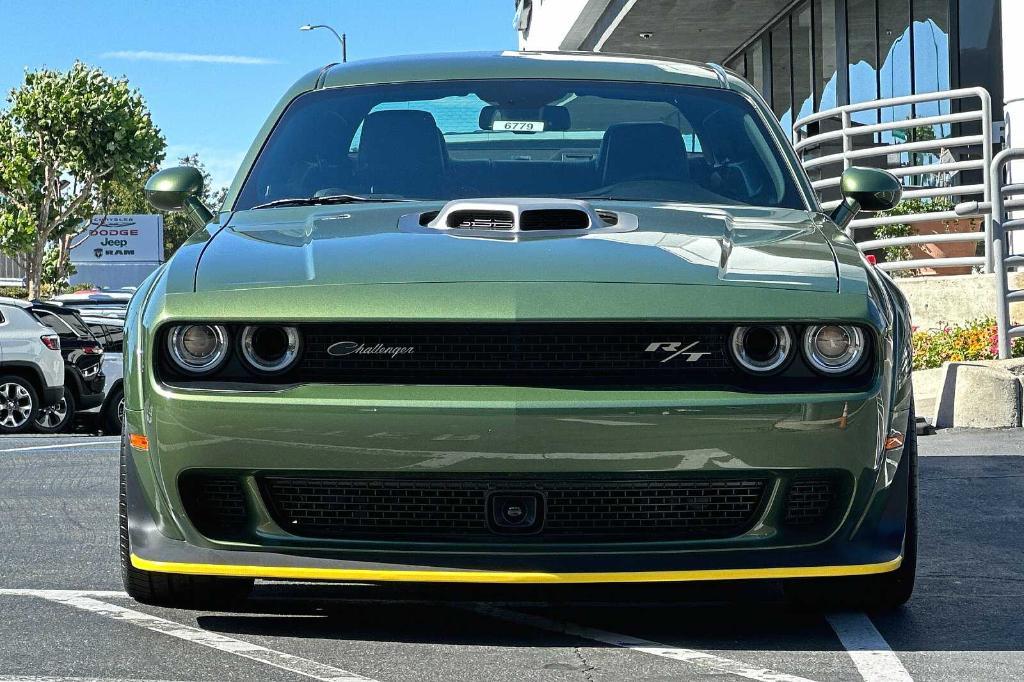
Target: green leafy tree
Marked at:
66, 136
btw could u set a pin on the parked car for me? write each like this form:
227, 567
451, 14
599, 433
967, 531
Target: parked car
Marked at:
83, 367
110, 332
520, 318
97, 302
31, 366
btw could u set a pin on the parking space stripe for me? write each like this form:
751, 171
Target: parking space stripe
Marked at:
83, 444
712, 662
36, 678
875, 661
255, 652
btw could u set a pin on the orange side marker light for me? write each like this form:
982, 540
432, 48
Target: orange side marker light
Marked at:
138, 441
894, 441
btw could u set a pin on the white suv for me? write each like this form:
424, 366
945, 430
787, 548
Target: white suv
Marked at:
31, 366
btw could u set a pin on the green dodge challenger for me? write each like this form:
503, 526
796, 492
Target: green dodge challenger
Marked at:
519, 318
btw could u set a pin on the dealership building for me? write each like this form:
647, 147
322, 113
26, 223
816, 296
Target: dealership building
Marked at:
811, 55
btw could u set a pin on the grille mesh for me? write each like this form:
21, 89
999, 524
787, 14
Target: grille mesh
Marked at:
554, 219
214, 504
809, 501
584, 511
523, 354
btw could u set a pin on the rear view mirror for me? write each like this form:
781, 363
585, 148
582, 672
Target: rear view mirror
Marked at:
526, 120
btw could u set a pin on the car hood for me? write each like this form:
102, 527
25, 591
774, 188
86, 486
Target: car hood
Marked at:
673, 244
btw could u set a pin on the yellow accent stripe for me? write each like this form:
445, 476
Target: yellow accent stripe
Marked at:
373, 575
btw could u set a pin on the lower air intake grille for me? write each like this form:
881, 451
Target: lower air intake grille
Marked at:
809, 501
571, 511
214, 504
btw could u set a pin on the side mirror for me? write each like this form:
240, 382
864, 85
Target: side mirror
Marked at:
179, 189
866, 189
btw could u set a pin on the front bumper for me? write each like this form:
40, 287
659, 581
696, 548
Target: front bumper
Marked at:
447, 431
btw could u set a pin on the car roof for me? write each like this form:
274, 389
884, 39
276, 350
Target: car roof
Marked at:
511, 64
16, 302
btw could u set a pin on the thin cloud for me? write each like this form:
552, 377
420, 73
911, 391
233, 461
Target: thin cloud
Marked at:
179, 57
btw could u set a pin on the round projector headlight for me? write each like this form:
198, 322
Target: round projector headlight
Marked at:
833, 348
761, 349
198, 348
270, 348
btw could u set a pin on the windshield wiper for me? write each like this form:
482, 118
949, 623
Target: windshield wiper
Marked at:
328, 199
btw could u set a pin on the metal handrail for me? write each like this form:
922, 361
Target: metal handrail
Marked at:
849, 132
1001, 224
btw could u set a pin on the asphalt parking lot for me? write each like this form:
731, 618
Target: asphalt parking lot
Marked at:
63, 616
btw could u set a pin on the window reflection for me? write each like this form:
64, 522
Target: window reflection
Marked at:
803, 72
894, 73
861, 21
825, 53
782, 75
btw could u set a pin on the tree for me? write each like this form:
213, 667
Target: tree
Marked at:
66, 136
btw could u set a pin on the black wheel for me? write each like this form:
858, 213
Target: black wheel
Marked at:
170, 589
56, 418
881, 592
113, 412
19, 404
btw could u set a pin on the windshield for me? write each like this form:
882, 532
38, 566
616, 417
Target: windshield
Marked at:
67, 324
523, 138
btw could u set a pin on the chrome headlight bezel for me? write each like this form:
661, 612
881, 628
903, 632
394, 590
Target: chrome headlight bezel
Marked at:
247, 349
782, 352
849, 361
193, 364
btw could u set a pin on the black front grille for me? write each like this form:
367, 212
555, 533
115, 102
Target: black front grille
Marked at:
481, 220
214, 504
810, 501
616, 355
457, 509
524, 354
554, 219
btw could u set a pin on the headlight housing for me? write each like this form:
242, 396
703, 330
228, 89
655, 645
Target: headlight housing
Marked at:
270, 348
198, 348
833, 348
761, 349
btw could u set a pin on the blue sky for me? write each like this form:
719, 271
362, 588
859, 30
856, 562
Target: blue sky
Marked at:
215, 68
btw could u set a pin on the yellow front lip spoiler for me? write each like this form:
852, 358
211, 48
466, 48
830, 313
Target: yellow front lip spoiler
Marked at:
509, 577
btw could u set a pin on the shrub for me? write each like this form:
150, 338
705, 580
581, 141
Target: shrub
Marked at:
974, 340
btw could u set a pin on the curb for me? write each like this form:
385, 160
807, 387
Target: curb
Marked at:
980, 395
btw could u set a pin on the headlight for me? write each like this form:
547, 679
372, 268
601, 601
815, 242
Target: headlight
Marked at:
198, 348
761, 349
270, 349
833, 348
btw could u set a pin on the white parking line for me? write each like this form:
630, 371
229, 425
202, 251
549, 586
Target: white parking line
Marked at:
90, 443
255, 652
875, 661
36, 678
31, 678
715, 664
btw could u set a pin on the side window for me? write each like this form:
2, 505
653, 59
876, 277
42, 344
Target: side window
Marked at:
113, 339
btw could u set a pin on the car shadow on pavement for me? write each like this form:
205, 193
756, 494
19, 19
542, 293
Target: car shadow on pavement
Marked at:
738, 615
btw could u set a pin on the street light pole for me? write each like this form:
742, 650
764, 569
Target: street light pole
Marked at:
342, 38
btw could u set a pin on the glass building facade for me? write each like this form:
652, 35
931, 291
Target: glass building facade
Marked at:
826, 53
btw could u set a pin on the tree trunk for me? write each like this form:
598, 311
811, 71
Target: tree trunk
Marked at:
34, 276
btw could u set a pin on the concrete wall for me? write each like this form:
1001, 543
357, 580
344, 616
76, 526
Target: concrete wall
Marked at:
560, 24
938, 300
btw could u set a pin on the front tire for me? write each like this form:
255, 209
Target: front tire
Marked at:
56, 418
113, 413
881, 592
19, 404
170, 589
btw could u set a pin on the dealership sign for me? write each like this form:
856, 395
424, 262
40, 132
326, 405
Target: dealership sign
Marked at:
120, 239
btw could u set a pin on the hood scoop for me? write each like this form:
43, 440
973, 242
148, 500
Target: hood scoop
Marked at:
518, 218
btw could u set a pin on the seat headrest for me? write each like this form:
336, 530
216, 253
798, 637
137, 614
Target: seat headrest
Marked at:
402, 152
635, 151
